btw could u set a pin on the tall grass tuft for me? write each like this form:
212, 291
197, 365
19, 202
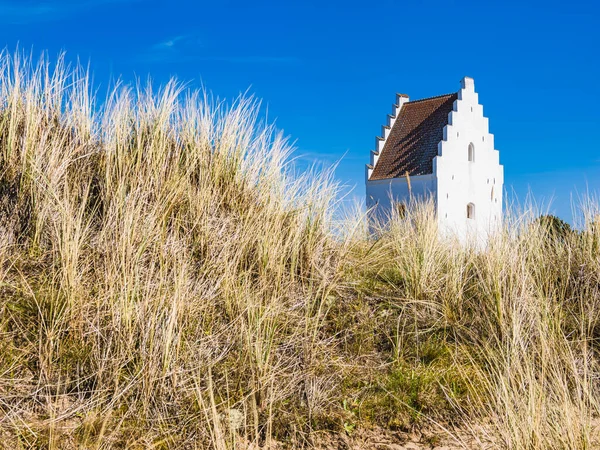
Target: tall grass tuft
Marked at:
160, 268
167, 281
517, 321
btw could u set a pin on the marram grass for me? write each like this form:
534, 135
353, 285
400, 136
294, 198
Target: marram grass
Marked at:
167, 282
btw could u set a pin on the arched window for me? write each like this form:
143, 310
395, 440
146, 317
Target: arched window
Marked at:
470, 211
471, 152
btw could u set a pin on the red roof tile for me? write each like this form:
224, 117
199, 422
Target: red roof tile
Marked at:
413, 141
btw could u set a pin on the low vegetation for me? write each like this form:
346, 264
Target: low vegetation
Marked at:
167, 281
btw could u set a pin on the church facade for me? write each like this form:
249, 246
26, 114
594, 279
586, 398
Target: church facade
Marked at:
439, 147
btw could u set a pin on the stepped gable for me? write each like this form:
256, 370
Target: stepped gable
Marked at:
413, 140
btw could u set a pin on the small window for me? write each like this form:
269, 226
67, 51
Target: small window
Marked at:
470, 211
471, 152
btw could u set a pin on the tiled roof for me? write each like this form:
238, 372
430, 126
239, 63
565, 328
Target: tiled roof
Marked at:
413, 141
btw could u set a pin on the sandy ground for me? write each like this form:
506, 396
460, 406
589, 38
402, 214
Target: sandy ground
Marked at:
379, 439
386, 440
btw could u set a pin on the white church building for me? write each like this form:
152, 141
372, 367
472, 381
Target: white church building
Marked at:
439, 147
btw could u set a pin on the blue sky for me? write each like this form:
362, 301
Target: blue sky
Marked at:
328, 71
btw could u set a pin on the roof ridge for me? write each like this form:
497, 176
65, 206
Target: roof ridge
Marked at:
432, 98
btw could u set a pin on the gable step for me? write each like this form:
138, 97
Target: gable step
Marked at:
387, 129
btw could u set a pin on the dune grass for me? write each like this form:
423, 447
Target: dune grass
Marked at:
167, 281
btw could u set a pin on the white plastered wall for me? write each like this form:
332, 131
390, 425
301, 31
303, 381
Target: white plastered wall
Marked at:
460, 181
382, 193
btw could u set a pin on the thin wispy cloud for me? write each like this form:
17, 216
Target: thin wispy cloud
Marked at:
323, 159
190, 48
180, 48
24, 12
170, 44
